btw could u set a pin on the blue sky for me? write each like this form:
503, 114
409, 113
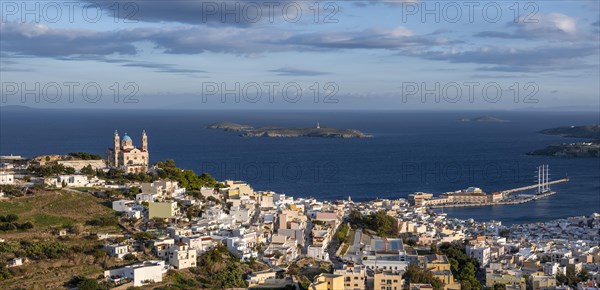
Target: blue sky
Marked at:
372, 54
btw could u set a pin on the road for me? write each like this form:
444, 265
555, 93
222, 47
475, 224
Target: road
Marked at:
354, 252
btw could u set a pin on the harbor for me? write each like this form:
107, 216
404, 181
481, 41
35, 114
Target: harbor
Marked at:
475, 197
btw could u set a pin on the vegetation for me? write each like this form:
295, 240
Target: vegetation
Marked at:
219, 269
85, 156
9, 223
4, 273
186, 178
49, 210
83, 283
36, 250
50, 170
11, 190
104, 221
415, 275
342, 234
571, 278
119, 175
381, 223
463, 267
88, 170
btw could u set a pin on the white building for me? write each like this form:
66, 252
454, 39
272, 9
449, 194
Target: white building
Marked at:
123, 205
142, 274
118, 250
257, 278
68, 181
200, 243
7, 178
181, 256
480, 253
551, 268
149, 197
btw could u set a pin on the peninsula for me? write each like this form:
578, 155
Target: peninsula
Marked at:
318, 131
590, 148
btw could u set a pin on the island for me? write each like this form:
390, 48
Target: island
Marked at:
483, 119
591, 148
586, 131
229, 126
273, 132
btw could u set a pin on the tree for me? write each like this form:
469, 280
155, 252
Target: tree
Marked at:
463, 267
415, 275
9, 218
85, 156
130, 257
383, 224
88, 170
26, 226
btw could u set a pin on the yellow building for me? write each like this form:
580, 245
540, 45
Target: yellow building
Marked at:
388, 280
165, 210
539, 281
506, 279
328, 282
437, 262
354, 276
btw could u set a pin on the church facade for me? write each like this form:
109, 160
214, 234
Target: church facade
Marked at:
124, 155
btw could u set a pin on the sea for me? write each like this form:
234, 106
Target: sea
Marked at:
416, 151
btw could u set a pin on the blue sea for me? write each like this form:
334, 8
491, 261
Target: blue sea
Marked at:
410, 151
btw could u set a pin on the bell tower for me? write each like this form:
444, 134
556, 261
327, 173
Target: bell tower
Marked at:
144, 141
117, 148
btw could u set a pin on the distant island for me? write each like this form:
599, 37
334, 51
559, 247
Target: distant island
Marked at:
590, 148
228, 126
586, 131
318, 131
482, 119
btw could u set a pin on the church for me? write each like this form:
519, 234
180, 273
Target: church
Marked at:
127, 157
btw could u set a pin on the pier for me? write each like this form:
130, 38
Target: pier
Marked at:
518, 201
509, 191
542, 186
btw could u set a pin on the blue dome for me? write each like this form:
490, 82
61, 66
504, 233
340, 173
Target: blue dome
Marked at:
126, 138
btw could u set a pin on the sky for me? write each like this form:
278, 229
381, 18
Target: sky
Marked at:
263, 54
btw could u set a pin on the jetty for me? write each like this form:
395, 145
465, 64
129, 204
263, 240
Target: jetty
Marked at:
504, 197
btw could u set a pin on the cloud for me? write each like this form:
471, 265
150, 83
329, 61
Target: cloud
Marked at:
156, 67
288, 71
160, 67
373, 38
537, 59
41, 40
240, 13
553, 26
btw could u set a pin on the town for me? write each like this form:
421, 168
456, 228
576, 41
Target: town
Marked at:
116, 221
